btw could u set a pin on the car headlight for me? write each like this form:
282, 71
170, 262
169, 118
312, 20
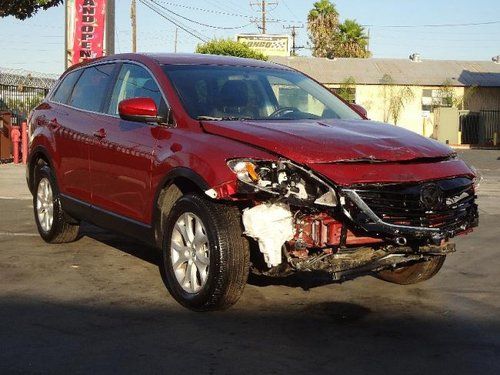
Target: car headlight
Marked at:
285, 179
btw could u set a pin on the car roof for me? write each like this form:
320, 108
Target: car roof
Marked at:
188, 59
202, 59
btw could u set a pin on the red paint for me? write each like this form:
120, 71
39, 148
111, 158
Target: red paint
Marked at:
15, 136
138, 107
356, 173
329, 141
88, 38
24, 141
321, 230
123, 170
360, 109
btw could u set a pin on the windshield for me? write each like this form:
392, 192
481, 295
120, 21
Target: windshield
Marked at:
211, 92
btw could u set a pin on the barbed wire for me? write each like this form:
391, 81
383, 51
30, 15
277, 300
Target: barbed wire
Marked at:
27, 78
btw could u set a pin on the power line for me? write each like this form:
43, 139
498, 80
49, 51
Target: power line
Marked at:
199, 23
290, 10
176, 23
437, 25
224, 13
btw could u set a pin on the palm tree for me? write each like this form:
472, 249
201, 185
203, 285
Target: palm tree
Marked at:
322, 24
353, 40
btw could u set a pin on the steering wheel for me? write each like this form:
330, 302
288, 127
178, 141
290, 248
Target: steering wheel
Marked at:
283, 111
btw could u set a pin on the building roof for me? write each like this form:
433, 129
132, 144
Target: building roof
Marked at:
402, 71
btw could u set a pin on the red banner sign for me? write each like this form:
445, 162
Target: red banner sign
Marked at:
90, 19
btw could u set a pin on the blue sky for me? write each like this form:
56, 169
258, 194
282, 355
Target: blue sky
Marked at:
38, 43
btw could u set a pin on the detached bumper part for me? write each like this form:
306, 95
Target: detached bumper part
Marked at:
271, 225
354, 262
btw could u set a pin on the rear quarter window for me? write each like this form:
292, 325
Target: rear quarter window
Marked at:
90, 90
63, 92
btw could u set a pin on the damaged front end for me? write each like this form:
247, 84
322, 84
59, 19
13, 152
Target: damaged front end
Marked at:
304, 222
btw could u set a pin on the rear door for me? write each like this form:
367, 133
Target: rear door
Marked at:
73, 123
121, 161
71, 157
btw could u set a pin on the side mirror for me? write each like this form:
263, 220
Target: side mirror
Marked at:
139, 110
360, 109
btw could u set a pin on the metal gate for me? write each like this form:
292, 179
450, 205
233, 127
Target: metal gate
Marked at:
469, 127
479, 128
489, 124
21, 91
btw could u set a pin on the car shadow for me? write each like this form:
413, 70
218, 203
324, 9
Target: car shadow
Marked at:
82, 336
120, 242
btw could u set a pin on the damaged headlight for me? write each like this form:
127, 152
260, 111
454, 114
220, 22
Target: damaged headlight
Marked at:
284, 179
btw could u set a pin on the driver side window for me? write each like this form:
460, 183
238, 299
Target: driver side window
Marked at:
289, 94
134, 82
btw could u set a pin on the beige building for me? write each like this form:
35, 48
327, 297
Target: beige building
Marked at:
421, 85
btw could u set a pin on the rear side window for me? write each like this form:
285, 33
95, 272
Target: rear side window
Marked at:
64, 90
90, 90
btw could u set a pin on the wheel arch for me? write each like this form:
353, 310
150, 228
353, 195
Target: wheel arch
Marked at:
185, 180
37, 154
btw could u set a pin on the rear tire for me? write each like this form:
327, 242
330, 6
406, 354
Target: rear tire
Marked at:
415, 273
51, 220
208, 235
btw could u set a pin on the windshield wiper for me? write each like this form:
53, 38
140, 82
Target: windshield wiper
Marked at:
209, 118
227, 118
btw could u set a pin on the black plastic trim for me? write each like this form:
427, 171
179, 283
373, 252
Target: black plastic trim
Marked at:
107, 220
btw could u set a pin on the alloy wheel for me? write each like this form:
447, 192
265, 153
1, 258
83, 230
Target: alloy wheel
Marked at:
45, 204
190, 252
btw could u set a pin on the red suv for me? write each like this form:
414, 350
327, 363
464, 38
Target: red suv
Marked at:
230, 165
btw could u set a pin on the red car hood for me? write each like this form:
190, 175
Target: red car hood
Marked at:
328, 141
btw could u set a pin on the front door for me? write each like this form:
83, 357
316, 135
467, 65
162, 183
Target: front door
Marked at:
121, 161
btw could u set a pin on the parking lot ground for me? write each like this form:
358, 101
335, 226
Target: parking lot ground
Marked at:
98, 305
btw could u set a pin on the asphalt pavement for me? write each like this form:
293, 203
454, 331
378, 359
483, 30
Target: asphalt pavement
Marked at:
98, 305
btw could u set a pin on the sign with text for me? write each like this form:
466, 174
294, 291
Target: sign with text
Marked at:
86, 29
269, 45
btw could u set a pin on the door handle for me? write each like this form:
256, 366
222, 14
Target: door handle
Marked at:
101, 133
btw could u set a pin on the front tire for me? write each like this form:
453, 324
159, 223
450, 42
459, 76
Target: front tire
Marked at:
205, 257
50, 217
415, 273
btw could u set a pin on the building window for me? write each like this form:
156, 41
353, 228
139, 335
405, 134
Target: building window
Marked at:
432, 98
346, 93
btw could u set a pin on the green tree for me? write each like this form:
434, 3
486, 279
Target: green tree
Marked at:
395, 98
23, 9
228, 47
329, 38
345, 90
353, 40
24, 106
449, 97
323, 28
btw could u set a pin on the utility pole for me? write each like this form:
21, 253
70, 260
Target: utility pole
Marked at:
66, 35
294, 38
368, 46
110, 27
133, 21
175, 41
263, 10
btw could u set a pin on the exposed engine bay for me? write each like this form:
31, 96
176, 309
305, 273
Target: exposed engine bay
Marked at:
303, 222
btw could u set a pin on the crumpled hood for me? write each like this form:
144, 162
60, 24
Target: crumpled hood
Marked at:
328, 141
